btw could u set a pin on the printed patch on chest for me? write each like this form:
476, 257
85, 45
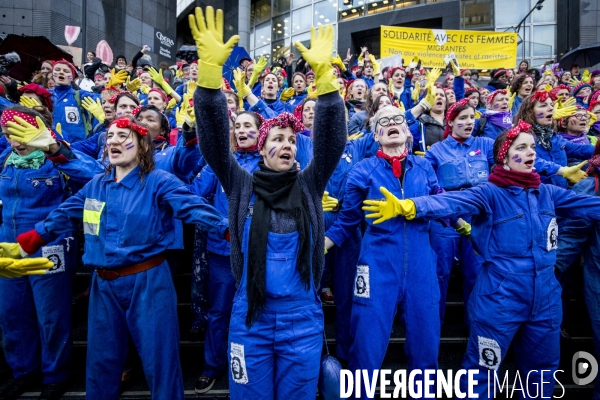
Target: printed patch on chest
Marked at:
237, 364
552, 235
72, 115
490, 354
56, 254
362, 286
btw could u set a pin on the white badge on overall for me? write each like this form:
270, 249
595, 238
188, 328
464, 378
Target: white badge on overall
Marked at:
362, 285
490, 354
237, 364
72, 115
552, 235
56, 254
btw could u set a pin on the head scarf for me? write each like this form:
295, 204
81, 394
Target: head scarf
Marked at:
511, 135
283, 120
492, 96
451, 114
9, 116
582, 85
68, 64
554, 92
44, 94
125, 122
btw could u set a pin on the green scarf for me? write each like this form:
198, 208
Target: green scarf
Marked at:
33, 160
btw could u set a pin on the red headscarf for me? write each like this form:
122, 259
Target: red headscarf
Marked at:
9, 116
125, 122
45, 95
68, 64
452, 113
491, 97
283, 120
511, 135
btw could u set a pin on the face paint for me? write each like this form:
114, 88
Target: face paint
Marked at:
460, 125
496, 105
380, 131
515, 156
540, 115
251, 134
69, 76
55, 74
129, 146
272, 151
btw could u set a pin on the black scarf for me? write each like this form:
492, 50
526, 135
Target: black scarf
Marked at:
278, 191
544, 134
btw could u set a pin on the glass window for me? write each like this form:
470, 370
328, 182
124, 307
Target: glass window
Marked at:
263, 51
476, 14
263, 35
262, 11
280, 6
547, 13
281, 27
304, 39
300, 3
301, 19
511, 12
544, 41
252, 38
376, 6
325, 13
280, 48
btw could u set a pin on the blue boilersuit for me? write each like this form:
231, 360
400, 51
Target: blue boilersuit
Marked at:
67, 112
583, 237
143, 304
282, 348
561, 149
35, 311
396, 267
221, 287
516, 298
343, 258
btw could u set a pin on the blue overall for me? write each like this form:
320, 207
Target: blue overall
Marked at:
558, 153
35, 311
271, 110
279, 356
583, 237
516, 299
296, 99
342, 259
396, 268
458, 166
68, 113
143, 304
221, 283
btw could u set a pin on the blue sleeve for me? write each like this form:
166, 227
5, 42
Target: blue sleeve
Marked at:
5, 103
432, 181
546, 167
351, 214
263, 109
205, 185
89, 146
459, 88
430, 156
304, 152
356, 123
59, 221
190, 208
366, 146
185, 158
581, 151
406, 97
79, 167
468, 202
416, 132
569, 204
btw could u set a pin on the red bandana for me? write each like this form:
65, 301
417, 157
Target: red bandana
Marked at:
9, 116
124, 122
540, 95
511, 135
451, 114
283, 120
396, 161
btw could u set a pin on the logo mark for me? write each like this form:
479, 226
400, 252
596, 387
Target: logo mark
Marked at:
582, 364
164, 40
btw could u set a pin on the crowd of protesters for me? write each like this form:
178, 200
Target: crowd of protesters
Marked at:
308, 181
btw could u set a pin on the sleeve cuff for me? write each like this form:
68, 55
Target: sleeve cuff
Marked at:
62, 155
30, 241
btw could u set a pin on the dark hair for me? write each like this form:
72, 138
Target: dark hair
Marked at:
93, 53
370, 101
525, 112
164, 66
497, 145
41, 112
458, 109
306, 100
145, 156
129, 96
373, 110
257, 120
517, 83
165, 127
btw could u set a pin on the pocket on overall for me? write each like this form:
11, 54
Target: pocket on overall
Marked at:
488, 301
478, 170
453, 174
510, 226
282, 275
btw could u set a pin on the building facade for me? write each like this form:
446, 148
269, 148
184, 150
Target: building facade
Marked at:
126, 25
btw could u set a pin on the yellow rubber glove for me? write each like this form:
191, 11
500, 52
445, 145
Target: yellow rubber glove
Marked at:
361, 59
569, 102
465, 230
574, 82
190, 117
145, 89
593, 119
10, 268
287, 94
12, 250
376, 65
329, 203
419, 153
179, 74
319, 57
171, 104
26, 133
338, 61
29, 102
416, 92
239, 81
311, 91
586, 76
389, 208
208, 35
157, 77
563, 112
511, 100
94, 108
180, 114
259, 67
391, 87
59, 128
400, 105
356, 136
117, 78
548, 87
574, 173
133, 85
477, 114
433, 75
191, 88
455, 69
429, 100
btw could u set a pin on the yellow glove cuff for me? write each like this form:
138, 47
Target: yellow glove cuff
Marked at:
210, 76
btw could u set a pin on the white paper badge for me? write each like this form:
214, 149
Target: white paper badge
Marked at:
237, 364
362, 286
552, 235
72, 115
56, 254
490, 354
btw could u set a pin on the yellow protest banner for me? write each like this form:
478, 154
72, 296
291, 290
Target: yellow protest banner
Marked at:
473, 49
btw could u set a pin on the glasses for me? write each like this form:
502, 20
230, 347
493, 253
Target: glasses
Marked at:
582, 117
385, 121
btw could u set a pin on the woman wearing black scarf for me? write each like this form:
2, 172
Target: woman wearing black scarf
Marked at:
276, 224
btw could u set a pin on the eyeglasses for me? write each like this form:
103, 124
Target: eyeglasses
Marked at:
385, 121
582, 117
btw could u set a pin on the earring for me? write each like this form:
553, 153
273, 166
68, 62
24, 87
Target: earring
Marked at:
506, 167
